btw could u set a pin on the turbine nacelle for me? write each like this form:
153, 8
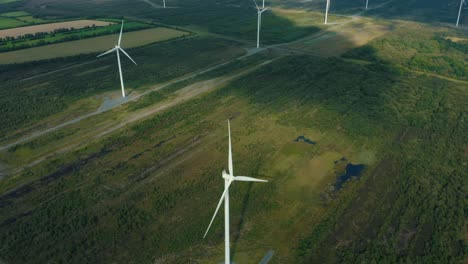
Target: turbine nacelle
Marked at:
226, 175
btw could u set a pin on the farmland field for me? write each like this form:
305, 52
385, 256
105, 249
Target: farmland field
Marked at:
6, 22
92, 45
359, 126
58, 34
77, 24
7, 1
15, 14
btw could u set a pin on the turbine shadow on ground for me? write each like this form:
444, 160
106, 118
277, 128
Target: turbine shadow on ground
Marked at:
240, 224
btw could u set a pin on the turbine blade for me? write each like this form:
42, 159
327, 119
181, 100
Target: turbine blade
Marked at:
107, 52
231, 169
256, 5
248, 179
127, 55
265, 9
217, 208
121, 30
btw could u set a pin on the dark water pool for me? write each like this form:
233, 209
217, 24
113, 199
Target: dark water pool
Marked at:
352, 170
305, 140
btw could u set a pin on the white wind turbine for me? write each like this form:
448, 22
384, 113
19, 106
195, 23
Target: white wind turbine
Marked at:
459, 12
117, 48
326, 11
259, 23
229, 178
367, 4
164, 3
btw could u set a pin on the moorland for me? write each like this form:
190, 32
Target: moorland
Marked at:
89, 177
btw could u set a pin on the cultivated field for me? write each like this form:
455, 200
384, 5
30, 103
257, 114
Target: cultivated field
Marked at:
8, 22
103, 43
77, 24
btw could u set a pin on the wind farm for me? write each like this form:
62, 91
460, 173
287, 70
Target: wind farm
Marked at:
351, 131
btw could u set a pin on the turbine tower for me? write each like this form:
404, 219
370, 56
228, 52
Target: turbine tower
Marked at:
259, 20
117, 49
164, 3
326, 11
367, 4
229, 178
459, 11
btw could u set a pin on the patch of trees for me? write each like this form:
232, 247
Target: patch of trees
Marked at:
424, 51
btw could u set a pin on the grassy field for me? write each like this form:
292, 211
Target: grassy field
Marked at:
54, 93
51, 27
8, 1
16, 14
91, 45
6, 22
139, 183
33, 36
17, 19
427, 49
142, 191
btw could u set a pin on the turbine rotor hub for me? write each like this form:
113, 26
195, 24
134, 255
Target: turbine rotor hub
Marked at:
226, 175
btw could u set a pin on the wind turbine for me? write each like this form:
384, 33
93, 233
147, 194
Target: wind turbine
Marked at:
259, 23
164, 3
229, 178
367, 4
459, 12
326, 11
117, 48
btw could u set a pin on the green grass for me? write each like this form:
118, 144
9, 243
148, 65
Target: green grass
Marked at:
6, 22
8, 1
15, 14
93, 45
427, 49
51, 38
48, 96
132, 210
145, 193
31, 20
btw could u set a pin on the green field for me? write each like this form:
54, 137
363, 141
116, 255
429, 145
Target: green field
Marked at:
15, 14
69, 35
6, 22
90, 45
138, 183
8, 1
177, 191
17, 19
53, 95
